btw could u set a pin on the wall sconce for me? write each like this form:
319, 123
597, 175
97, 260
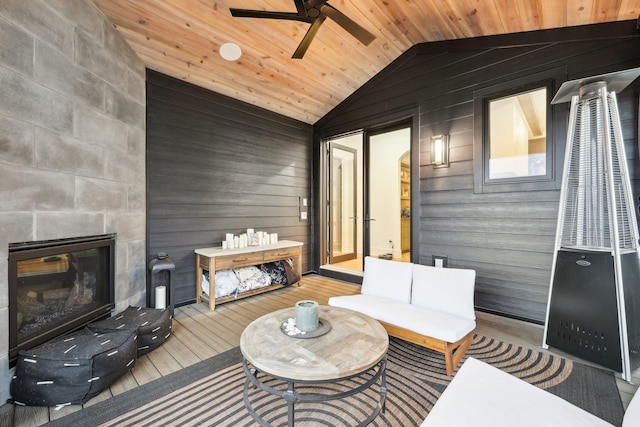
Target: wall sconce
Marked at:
440, 151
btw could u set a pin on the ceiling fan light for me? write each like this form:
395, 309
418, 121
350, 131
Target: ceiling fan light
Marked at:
230, 51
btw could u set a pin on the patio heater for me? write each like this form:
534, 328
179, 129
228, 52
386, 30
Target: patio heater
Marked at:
593, 310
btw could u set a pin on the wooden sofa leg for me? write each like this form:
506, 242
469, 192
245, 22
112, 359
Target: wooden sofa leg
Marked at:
448, 360
453, 353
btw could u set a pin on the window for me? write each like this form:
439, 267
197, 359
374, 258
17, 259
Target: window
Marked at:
518, 135
514, 144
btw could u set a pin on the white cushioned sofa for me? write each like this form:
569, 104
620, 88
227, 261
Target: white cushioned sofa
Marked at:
428, 306
481, 395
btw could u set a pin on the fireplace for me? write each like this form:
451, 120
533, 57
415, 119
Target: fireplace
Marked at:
57, 286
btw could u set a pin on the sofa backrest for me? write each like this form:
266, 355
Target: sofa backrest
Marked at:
445, 289
387, 279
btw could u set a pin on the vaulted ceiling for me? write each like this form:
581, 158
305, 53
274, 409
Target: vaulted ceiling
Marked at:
182, 38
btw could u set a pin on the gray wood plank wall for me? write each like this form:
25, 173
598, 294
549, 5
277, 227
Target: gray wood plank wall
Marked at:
216, 165
507, 238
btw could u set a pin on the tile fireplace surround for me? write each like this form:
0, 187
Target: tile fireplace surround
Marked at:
72, 140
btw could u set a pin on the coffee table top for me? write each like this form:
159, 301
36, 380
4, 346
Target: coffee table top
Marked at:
355, 343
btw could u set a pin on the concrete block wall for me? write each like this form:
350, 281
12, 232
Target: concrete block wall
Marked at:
72, 139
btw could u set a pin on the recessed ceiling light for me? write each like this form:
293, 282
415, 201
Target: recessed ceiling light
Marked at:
230, 51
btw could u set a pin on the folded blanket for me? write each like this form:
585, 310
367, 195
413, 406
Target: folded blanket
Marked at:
227, 282
247, 273
276, 270
233, 281
255, 282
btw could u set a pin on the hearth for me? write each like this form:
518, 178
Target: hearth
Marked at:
57, 286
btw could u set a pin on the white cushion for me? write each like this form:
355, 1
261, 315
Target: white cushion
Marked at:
632, 415
483, 396
445, 289
387, 279
429, 322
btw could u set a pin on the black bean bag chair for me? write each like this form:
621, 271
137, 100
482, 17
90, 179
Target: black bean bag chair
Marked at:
71, 369
153, 326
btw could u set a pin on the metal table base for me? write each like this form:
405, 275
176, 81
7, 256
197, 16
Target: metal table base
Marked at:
292, 396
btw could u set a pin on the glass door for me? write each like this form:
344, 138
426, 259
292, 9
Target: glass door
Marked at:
342, 203
367, 186
387, 214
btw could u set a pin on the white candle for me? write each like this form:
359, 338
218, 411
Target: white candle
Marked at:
307, 315
161, 297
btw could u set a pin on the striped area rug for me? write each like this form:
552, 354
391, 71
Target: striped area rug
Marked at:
210, 392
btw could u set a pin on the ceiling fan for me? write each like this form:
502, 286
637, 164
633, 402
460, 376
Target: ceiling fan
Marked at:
313, 12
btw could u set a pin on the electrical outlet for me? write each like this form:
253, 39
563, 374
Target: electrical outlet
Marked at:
440, 261
303, 216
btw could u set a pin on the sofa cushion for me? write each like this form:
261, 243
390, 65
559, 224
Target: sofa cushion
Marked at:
423, 321
632, 414
428, 285
387, 279
481, 395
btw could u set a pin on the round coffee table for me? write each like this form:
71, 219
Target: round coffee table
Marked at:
356, 345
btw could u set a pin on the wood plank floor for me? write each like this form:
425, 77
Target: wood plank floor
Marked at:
356, 263
200, 334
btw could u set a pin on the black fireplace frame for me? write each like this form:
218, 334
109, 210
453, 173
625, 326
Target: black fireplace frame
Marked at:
45, 248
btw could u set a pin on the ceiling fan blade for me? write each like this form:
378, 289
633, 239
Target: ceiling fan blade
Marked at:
364, 36
247, 13
306, 41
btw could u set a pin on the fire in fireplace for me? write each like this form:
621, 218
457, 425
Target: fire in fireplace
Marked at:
57, 286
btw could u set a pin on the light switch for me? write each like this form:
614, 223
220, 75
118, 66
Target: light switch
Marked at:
303, 208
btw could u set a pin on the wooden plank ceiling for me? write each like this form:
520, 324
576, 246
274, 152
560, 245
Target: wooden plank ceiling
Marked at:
181, 38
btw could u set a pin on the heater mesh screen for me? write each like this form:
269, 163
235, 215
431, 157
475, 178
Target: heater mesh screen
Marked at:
588, 221
627, 229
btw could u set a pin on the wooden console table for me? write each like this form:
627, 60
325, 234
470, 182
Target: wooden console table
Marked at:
216, 259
